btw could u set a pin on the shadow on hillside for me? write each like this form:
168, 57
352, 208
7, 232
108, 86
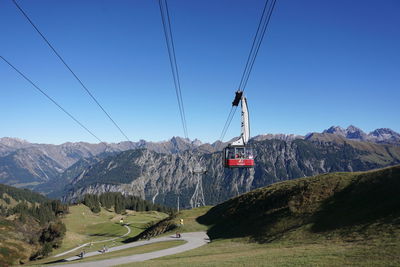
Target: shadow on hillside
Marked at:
54, 262
246, 217
325, 203
154, 230
104, 235
371, 198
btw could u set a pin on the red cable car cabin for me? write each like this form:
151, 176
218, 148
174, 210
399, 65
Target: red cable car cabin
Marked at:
237, 154
238, 157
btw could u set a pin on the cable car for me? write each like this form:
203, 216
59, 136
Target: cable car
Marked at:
238, 157
238, 154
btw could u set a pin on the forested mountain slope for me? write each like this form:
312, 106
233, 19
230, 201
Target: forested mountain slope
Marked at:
162, 177
30, 225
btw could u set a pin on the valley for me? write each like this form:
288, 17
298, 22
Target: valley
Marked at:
90, 231
161, 172
330, 220
199, 133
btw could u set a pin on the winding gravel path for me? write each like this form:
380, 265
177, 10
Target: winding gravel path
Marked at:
94, 242
194, 240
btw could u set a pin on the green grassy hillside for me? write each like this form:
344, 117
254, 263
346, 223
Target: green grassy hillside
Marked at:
339, 219
85, 227
338, 205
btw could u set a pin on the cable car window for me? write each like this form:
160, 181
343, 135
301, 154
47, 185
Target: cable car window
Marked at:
231, 154
249, 153
240, 152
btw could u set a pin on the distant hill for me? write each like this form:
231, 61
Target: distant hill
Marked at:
347, 206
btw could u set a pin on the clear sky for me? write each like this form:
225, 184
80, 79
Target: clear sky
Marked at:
321, 63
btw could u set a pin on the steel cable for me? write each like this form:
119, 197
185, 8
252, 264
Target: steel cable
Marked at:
51, 99
257, 40
69, 68
166, 21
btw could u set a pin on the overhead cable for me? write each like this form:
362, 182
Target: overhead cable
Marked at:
172, 59
70, 69
228, 122
257, 40
51, 99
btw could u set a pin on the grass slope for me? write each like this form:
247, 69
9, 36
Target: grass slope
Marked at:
334, 219
84, 226
338, 204
14, 241
29, 225
337, 219
173, 224
238, 253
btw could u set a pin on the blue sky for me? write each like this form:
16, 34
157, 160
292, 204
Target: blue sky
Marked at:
321, 63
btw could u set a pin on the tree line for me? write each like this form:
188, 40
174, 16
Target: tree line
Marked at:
42, 212
121, 203
32, 219
41, 223
20, 194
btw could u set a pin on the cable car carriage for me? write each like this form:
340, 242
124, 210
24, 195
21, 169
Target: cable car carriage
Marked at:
238, 157
238, 154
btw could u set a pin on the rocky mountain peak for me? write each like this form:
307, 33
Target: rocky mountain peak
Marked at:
385, 135
336, 130
196, 142
384, 131
353, 132
142, 142
163, 177
177, 140
283, 137
13, 142
380, 136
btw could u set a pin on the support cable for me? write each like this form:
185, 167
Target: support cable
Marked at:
166, 21
51, 99
70, 70
254, 44
258, 38
267, 19
228, 122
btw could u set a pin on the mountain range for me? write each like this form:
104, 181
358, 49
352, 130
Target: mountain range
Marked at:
25, 164
160, 171
378, 136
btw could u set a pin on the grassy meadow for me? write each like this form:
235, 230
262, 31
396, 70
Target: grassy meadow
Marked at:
84, 226
240, 252
338, 219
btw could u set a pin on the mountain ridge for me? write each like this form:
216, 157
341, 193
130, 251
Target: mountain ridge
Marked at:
162, 177
379, 136
49, 168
